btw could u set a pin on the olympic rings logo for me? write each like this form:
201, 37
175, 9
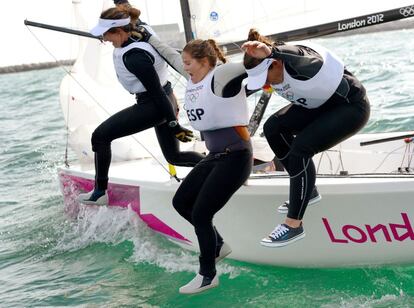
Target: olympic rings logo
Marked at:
407, 11
192, 97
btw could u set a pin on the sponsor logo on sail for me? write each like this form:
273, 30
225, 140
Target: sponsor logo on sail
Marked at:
214, 16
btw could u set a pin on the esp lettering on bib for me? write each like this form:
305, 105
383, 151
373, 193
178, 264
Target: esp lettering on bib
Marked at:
207, 111
195, 114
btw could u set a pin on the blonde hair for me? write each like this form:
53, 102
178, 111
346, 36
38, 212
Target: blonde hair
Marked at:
200, 49
122, 11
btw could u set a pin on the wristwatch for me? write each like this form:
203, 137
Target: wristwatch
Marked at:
172, 124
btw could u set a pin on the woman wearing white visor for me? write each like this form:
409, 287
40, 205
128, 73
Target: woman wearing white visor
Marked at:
142, 72
327, 105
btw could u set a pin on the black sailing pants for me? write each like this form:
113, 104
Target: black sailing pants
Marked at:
204, 191
132, 120
296, 133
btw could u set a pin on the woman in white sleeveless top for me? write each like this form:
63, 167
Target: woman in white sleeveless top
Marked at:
143, 73
215, 102
327, 105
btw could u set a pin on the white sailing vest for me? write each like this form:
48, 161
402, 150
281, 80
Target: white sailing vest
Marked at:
315, 91
129, 81
207, 111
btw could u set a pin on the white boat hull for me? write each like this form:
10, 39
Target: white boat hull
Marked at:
361, 219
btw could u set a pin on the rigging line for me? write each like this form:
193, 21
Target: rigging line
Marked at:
409, 156
319, 162
67, 72
239, 47
390, 175
329, 160
177, 79
67, 138
331, 166
403, 158
92, 97
340, 157
382, 162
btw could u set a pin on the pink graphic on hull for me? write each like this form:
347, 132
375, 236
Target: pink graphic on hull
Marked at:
119, 195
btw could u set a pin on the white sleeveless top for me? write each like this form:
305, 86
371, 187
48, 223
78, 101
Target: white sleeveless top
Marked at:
207, 111
129, 81
315, 91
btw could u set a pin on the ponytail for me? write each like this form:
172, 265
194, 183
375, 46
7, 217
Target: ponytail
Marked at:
200, 49
218, 51
254, 35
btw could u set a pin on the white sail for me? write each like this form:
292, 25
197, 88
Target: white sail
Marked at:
230, 20
92, 93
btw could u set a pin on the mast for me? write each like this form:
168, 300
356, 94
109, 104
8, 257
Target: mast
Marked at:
186, 13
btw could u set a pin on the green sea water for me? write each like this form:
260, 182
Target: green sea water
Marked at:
108, 258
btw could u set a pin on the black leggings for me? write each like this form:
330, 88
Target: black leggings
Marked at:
295, 134
132, 120
204, 191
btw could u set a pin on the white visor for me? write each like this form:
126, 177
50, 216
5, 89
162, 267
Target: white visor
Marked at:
257, 75
106, 24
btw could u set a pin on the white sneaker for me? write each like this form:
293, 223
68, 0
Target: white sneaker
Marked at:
314, 198
225, 250
91, 199
199, 284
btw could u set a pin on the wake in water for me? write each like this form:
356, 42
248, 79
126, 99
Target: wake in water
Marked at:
113, 226
50, 259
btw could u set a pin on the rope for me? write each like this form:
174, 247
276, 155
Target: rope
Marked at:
382, 162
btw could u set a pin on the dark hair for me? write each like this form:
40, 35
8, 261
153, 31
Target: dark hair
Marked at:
122, 11
199, 49
254, 35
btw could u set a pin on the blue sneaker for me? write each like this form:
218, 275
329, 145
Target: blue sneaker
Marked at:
283, 235
314, 198
94, 197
